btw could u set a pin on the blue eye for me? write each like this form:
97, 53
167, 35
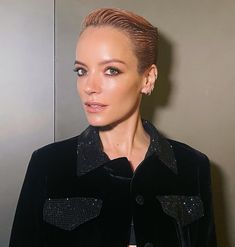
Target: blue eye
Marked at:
80, 71
112, 71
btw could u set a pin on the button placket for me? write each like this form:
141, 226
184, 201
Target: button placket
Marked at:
139, 200
148, 244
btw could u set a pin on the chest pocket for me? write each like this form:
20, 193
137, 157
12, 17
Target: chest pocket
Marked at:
184, 209
69, 213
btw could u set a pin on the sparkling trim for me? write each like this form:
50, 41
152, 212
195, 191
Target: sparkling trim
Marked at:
185, 209
90, 155
69, 213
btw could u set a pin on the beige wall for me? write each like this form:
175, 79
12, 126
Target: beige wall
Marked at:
195, 97
26, 95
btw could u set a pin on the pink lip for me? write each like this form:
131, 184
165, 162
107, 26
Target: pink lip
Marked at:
94, 107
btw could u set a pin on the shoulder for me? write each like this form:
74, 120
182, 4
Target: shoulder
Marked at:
58, 148
186, 149
188, 155
59, 156
55, 154
169, 149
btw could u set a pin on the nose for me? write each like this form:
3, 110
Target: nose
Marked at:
92, 84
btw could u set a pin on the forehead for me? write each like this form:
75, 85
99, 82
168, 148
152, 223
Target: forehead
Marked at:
104, 40
104, 32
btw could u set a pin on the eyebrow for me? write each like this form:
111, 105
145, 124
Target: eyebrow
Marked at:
103, 62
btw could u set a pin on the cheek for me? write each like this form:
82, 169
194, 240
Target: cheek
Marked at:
123, 96
79, 88
129, 89
124, 85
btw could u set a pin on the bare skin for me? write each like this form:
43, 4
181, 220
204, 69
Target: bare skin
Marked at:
128, 139
111, 88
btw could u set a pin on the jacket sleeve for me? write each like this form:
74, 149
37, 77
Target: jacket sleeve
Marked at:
206, 229
27, 225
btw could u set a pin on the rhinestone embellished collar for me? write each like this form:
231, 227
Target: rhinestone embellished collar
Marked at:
91, 156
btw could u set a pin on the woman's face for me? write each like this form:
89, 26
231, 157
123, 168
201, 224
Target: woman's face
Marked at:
108, 82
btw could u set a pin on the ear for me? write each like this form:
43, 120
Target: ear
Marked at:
150, 77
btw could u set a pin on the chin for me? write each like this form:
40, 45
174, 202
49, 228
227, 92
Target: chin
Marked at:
102, 122
97, 121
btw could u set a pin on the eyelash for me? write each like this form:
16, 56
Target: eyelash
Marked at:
80, 69
83, 71
114, 69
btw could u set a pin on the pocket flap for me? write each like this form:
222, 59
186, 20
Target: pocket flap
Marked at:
69, 213
184, 209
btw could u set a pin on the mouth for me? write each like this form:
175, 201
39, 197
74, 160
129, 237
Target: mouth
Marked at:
94, 107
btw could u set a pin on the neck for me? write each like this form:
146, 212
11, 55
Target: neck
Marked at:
125, 139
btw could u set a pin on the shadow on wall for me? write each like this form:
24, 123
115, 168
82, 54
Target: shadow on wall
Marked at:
161, 98
220, 212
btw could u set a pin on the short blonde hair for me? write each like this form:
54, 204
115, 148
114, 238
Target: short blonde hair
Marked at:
143, 34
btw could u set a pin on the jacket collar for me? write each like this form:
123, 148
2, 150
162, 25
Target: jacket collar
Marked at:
91, 156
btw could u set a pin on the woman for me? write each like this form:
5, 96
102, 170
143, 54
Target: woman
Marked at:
119, 183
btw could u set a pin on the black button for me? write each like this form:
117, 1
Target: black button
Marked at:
140, 199
148, 245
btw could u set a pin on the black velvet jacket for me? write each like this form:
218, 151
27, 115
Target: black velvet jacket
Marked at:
73, 195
